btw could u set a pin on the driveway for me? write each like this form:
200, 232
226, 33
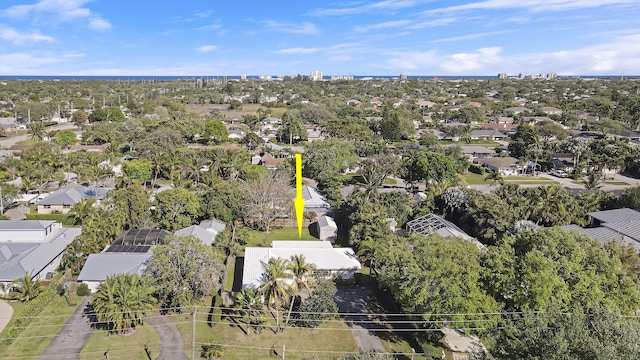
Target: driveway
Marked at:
12, 140
5, 314
354, 300
73, 336
170, 337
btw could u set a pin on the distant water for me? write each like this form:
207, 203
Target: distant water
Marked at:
237, 77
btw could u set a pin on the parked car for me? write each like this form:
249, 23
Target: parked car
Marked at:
559, 173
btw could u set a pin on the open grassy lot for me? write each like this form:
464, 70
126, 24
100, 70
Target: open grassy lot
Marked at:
300, 343
259, 238
476, 179
123, 347
35, 338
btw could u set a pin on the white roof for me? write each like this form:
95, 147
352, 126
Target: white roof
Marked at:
99, 266
327, 222
322, 255
313, 199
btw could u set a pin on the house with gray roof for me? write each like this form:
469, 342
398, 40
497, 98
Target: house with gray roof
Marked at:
207, 231
314, 201
487, 134
32, 246
621, 225
434, 224
128, 254
327, 229
61, 201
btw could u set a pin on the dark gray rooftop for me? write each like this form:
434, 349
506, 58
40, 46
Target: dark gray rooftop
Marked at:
138, 240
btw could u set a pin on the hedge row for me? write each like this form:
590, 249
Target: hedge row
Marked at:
64, 219
30, 311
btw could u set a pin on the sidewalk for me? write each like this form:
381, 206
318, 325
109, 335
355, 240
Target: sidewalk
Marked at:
5, 314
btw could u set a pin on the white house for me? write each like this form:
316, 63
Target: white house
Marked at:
32, 246
336, 262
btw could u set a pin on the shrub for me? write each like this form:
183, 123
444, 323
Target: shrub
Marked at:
83, 290
30, 311
476, 169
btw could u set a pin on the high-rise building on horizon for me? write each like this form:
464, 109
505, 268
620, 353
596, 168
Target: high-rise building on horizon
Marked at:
316, 75
403, 76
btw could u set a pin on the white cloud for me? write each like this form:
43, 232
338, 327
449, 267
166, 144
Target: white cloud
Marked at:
18, 38
615, 57
532, 5
206, 48
210, 27
298, 50
292, 28
380, 6
31, 64
59, 10
204, 14
434, 23
99, 23
469, 36
383, 25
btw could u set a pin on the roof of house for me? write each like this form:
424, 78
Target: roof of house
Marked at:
616, 215
73, 195
498, 162
326, 221
25, 224
322, 256
314, 244
206, 235
489, 132
476, 149
313, 199
432, 223
214, 224
17, 258
99, 266
137, 241
603, 234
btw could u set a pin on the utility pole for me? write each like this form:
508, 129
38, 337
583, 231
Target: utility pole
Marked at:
193, 334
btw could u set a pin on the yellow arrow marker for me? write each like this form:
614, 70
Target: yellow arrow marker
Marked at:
299, 200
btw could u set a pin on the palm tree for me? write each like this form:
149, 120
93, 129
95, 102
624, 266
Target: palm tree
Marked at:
37, 130
593, 181
302, 271
212, 351
122, 301
495, 177
275, 288
82, 209
27, 288
248, 304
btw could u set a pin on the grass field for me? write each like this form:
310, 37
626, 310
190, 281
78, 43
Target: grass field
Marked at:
35, 338
259, 238
300, 343
476, 179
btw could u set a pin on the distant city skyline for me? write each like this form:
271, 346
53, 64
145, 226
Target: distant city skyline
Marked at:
378, 38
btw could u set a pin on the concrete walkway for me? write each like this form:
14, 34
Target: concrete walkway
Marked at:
72, 338
6, 311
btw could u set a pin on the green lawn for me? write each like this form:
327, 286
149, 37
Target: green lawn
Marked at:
613, 182
476, 179
123, 347
390, 181
259, 238
300, 343
35, 338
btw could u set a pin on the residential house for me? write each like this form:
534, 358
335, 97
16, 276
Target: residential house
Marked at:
425, 104
551, 110
505, 165
515, 110
11, 128
61, 201
335, 262
128, 254
236, 134
271, 162
617, 225
487, 134
314, 201
477, 152
562, 161
32, 246
327, 229
207, 231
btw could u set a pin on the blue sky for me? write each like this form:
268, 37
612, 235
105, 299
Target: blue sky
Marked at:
388, 37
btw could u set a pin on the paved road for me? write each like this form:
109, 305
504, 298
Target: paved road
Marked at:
73, 336
10, 141
170, 337
354, 300
5, 314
